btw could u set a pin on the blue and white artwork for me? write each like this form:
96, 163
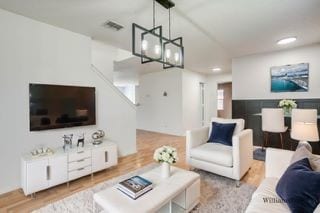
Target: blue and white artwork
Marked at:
290, 78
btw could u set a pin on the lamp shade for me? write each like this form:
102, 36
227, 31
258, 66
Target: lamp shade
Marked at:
304, 131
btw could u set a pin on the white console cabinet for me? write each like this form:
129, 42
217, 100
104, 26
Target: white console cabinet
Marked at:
39, 173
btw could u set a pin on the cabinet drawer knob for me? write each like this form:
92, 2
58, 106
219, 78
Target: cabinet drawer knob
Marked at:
80, 160
80, 169
80, 152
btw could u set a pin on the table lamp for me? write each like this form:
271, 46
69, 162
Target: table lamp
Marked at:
305, 132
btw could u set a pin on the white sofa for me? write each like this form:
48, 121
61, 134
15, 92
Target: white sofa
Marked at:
265, 198
229, 161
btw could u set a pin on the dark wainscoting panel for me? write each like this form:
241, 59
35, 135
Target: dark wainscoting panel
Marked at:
247, 108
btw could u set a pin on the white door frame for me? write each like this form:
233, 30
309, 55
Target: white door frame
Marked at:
202, 103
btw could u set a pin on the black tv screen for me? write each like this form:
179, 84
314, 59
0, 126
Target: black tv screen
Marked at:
55, 106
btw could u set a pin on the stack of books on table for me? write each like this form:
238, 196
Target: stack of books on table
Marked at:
135, 186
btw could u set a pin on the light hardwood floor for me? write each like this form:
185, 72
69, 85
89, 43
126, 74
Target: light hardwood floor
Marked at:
147, 142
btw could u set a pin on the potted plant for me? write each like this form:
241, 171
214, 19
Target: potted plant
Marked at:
166, 155
287, 105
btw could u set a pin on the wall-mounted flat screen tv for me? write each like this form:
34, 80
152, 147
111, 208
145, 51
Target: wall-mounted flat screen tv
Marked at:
55, 106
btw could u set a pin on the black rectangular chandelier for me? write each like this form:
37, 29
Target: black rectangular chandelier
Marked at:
151, 46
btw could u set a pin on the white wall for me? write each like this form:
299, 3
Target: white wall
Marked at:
125, 78
191, 106
157, 112
180, 110
102, 56
34, 52
251, 74
211, 92
129, 92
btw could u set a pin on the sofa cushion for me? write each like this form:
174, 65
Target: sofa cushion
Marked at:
214, 153
303, 152
266, 200
222, 133
300, 183
239, 127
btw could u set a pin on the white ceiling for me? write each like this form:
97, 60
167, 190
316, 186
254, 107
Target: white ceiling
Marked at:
214, 31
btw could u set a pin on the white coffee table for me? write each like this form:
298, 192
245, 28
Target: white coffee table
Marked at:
178, 193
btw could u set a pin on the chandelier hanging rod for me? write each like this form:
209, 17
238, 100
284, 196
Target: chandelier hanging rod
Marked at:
154, 14
166, 3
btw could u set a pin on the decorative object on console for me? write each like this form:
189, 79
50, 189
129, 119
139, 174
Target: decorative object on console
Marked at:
43, 151
97, 137
80, 140
290, 78
151, 46
287, 105
304, 125
67, 142
166, 155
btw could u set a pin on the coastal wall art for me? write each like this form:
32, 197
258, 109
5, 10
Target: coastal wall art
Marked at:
290, 78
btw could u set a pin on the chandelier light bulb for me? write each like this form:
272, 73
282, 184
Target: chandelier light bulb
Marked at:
157, 49
168, 53
144, 45
176, 57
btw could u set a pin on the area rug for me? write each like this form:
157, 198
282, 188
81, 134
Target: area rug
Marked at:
259, 154
218, 194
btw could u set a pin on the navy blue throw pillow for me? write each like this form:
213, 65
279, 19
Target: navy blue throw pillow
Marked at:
299, 187
222, 133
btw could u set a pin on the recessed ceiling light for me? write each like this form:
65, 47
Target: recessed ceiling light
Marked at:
287, 40
216, 69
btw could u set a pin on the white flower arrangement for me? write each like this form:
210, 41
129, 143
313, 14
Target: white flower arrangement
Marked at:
166, 154
288, 103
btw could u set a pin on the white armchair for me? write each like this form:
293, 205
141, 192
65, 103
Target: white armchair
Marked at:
229, 161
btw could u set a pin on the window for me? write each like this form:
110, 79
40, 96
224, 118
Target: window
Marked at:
220, 99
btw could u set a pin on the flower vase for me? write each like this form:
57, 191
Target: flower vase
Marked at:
287, 111
165, 170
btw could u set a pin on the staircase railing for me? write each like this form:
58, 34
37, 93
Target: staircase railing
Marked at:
110, 84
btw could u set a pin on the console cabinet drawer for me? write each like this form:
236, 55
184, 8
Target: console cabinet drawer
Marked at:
79, 173
79, 155
79, 164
